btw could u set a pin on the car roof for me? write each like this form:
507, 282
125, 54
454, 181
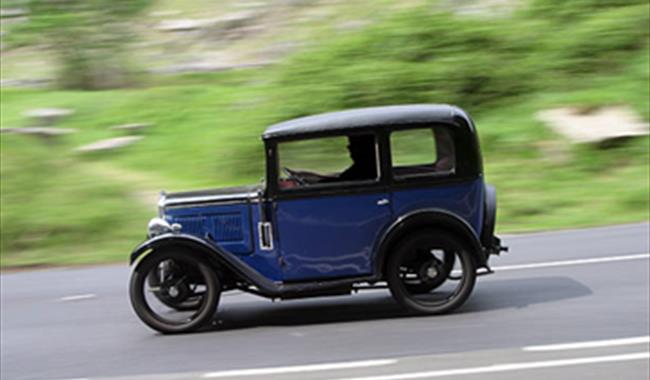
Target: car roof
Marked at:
367, 118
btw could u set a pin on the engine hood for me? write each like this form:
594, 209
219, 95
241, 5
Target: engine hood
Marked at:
223, 195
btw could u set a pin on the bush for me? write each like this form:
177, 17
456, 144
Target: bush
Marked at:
88, 38
601, 41
422, 55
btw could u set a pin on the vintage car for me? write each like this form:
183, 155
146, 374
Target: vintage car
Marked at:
359, 199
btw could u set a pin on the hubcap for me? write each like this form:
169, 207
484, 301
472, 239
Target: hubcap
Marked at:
429, 270
432, 272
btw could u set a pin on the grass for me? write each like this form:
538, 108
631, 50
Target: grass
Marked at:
61, 207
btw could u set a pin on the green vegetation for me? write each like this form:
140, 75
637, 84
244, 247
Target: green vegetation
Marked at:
88, 39
63, 207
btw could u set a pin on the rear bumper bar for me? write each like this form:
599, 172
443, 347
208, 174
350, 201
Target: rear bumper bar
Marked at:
496, 247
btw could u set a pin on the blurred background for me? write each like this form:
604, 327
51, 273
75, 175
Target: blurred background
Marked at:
106, 102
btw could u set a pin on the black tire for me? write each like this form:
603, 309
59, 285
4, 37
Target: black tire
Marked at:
405, 257
201, 273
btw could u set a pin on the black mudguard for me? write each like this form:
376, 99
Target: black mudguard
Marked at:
490, 241
215, 254
247, 275
429, 218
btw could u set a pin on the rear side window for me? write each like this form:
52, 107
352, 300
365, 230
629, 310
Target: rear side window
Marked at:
422, 152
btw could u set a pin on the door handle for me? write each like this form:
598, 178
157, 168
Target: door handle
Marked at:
383, 202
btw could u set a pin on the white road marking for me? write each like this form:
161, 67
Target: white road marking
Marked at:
590, 344
594, 260
299, 368
508, 367
78, 297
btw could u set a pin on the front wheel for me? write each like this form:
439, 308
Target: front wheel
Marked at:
166, 280
414, 264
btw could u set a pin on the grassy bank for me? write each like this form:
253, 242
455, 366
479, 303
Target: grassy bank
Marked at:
62, 207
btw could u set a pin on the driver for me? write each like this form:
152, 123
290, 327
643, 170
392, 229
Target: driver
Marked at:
363, 154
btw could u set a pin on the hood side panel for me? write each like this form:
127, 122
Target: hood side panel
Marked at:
229, 225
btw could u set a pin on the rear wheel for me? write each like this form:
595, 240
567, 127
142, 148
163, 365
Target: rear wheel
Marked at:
432, 268
431, 272
173, 291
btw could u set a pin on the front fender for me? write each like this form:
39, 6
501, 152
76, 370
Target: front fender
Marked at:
211, 250
171, 239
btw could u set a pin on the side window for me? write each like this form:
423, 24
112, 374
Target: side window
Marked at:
422, 152
328, 161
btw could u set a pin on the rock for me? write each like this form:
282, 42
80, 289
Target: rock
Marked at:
14, 20
48, 116
13, 12
598, 126
108, 144
26, 83
131, 127
184, 25
228, 21
46, 132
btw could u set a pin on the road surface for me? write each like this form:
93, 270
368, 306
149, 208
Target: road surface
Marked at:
568, 305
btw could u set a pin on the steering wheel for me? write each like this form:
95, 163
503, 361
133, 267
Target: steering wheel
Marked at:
293, 175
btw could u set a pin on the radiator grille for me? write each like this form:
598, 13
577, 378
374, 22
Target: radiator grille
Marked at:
222, 227
227, 227
192, 225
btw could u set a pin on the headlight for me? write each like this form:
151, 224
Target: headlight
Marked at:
158, 226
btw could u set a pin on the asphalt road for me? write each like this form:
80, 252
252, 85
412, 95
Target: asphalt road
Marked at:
583, 286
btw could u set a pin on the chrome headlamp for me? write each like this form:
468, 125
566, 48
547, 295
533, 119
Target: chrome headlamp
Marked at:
158, 226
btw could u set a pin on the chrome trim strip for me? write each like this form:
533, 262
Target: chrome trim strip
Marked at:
207, 204
207, 199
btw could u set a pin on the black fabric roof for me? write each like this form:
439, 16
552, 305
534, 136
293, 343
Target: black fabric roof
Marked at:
364, 118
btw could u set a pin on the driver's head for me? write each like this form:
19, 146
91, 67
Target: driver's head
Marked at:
362, 148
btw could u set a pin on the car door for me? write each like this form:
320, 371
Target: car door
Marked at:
328, 225
332, 236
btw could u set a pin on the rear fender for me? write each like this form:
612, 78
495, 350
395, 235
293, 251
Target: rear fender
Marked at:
429, 218
489, 220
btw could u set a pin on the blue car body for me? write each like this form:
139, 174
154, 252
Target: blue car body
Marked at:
271, 239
